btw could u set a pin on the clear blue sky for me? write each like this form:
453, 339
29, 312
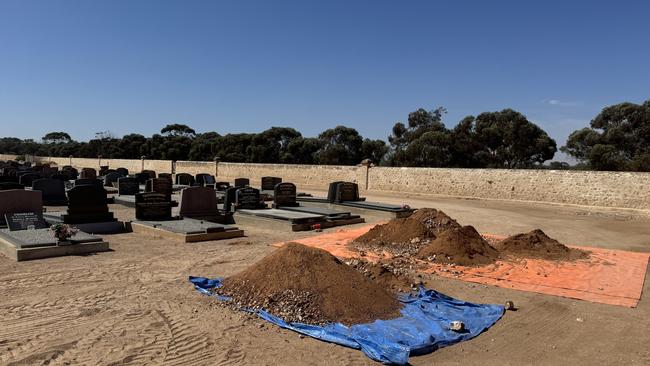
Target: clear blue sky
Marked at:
243, 66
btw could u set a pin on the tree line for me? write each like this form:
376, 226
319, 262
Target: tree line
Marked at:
618, 139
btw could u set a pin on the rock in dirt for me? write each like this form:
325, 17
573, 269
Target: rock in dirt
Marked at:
393, 274
309, 285
459, 245
536, 244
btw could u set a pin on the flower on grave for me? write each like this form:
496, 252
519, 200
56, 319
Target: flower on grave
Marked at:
63, 231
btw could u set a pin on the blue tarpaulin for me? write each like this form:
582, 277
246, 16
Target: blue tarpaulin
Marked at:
422, 328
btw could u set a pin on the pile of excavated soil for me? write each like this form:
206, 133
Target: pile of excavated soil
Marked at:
536, 244
392, 274
309, 285
459, 245
406, 236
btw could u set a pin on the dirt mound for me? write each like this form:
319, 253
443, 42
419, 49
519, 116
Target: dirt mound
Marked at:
392, 274
459, 245
406, 236
536, 244
309, 285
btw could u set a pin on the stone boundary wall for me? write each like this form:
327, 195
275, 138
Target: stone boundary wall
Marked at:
590, 188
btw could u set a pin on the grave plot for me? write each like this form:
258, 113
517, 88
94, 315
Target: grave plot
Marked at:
248, 208
88, 211
26, 235
285, 198
347, 194
153, 216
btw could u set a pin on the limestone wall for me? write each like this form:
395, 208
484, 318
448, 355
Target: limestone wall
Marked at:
302, 175
610, 189
196, 167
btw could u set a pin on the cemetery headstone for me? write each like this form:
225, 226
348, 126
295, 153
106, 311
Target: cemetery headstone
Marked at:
184, 179
269, 183
152, 206
205, 179
60, 176
284, 194
27, 179
122, 171
25, 221
12, 201
221, 186
242, 182
165, 175
53, 191
142, 177
88, 173
128, 186
333, 191
111, 178
103, 170
229, 199
347, 191
87, 204
160, 185
197, 202
150, 173
248, 198
89, 182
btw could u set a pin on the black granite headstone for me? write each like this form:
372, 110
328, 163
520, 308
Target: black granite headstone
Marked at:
242, 182
87, 204
248, 198
204, 179
284, 194
142, 177
122, 171
347, 191
89, 182
184, 179
229, 199
269, 183
88, 173
150, 173
103, 170
152, 206
160, 185
128, 186
53, 191
25, 221
221, 186
111, 178
28, 179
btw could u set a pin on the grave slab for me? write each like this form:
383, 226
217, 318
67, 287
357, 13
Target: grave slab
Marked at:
187, 230
37, 244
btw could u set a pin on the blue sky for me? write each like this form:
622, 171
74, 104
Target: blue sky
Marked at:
243, 66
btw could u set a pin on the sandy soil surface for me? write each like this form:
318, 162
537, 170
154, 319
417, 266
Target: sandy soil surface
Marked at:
133, 305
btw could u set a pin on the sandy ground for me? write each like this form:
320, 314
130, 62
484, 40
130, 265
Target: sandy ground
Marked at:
133, 305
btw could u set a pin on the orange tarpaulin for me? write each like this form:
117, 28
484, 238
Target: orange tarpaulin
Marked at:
608, 276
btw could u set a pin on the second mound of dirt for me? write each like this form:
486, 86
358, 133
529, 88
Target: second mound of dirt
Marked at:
406, 236
309, 285
459, 245
536, 244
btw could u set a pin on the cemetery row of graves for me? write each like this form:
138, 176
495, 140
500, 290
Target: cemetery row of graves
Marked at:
51, 211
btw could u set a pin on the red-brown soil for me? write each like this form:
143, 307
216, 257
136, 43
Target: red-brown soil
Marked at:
536, 244
309, 285
406, 236
459, 245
